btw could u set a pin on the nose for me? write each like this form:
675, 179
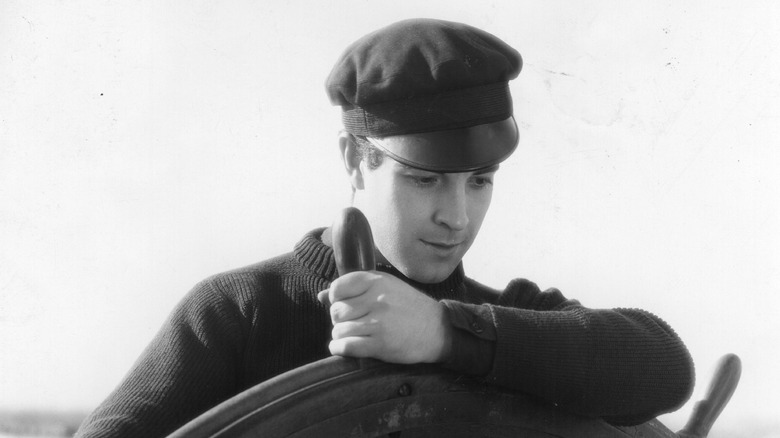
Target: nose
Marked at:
451, 210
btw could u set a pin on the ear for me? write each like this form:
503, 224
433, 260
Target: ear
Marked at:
351, 160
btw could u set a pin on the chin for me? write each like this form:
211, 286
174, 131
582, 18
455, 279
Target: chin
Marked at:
429, 276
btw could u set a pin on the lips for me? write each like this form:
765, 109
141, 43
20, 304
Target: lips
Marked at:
442, 244
443, 248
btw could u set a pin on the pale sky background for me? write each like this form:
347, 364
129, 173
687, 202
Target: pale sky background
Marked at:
145, 145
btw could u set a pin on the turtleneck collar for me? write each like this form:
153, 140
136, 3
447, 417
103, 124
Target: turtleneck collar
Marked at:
316, 256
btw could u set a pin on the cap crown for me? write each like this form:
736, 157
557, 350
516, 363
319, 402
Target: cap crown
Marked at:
423, 75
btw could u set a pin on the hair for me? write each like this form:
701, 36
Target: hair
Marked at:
367, 152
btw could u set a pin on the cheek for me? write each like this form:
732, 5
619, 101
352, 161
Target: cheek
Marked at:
389, 199
397, 214
380, 203
479, 208
397, 218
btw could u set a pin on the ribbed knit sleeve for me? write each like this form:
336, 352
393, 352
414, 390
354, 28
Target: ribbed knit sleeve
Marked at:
624, 365
243, 327
232, 331
190, 366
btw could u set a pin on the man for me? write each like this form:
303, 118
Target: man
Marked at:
428, 118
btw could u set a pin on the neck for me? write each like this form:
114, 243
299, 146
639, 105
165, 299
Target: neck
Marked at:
441, 289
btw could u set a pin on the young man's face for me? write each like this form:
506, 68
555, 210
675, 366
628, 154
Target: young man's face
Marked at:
424, 222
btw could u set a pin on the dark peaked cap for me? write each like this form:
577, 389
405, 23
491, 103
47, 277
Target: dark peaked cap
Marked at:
423, 75
431, 94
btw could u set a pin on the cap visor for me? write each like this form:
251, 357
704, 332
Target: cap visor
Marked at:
453, 150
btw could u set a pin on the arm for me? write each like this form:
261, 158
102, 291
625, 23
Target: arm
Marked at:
624, 365
188, 367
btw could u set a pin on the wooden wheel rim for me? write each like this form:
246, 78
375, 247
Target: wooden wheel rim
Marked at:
368, 398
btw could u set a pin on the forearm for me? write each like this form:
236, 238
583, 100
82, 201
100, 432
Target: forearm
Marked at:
623, 365
626, 366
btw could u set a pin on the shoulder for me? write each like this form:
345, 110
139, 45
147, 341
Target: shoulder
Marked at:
257, 283
480, 293
248, 276
519, 293
243, 292
309, 261
235, 296
516, 291
523, 293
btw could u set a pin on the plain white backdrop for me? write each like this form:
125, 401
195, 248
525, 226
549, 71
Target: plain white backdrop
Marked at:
146, 145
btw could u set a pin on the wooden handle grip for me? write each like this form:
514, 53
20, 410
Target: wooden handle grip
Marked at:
353, 243
721, 388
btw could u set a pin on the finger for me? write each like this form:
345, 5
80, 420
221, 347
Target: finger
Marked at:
348, 329
323, 297
355, 346
351, 285
349, 309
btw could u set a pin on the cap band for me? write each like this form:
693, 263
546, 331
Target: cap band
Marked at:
453, 150
449, 110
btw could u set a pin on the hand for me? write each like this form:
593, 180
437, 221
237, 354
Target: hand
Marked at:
377, 315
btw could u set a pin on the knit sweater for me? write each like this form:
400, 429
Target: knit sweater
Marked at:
237, 329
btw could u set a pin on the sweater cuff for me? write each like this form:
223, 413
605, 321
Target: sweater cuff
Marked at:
473, 338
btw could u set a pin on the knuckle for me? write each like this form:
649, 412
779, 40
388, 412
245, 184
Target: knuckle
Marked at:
337, 311
348, 348
337, 332
336, 348
333, 291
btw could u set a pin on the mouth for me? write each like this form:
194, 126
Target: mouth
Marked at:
444, 248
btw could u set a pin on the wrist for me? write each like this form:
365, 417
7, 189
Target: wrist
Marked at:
472, 337
445, 352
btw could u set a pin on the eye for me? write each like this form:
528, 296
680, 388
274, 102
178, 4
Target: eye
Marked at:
481, 181
423, 180
426, 179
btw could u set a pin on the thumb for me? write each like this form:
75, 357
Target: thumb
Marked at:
324, 298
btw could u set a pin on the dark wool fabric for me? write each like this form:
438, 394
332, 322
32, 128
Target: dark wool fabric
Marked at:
239, 328
423, 75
